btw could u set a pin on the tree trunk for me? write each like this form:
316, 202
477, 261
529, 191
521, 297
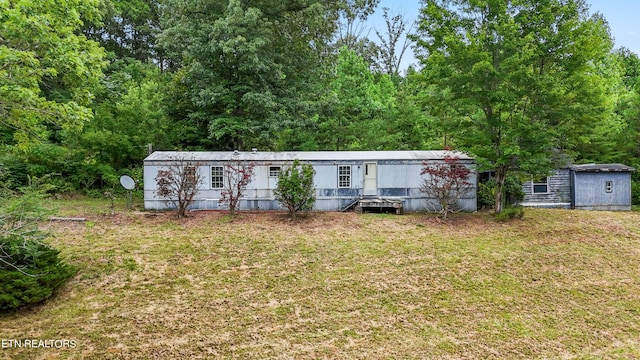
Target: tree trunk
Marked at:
501, 175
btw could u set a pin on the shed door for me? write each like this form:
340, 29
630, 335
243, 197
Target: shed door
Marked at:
370, 179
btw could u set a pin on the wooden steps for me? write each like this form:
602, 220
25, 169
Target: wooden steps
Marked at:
379, 205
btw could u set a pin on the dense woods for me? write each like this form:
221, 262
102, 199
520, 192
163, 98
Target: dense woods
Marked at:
86, 86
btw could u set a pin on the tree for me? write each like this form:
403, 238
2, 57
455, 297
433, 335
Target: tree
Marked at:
237, 174
249, 68
360, 115
391, 50
128, 29
47, 70
295, 189
518, 74
352, 31
447, 182
178, 182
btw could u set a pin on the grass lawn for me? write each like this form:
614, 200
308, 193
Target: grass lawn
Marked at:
557, 285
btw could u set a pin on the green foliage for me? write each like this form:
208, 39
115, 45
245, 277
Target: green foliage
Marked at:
13, 172
635, 185
248, 69
30, 269
295, 188
635, 192
512, 192
512, 88
486, 195
128, 29
30, 272
510, 213
48, 70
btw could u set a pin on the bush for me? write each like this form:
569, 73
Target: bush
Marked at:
13, 172
487, 194
635, 192
30, 270
295, 189
510, 213
512, 191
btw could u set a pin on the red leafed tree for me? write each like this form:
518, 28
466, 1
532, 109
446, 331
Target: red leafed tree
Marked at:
447, 182
237, 175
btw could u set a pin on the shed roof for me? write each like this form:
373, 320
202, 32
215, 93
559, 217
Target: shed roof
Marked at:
602, 168
306, 155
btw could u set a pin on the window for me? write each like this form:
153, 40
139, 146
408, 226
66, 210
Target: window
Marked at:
190, 176
609, 186
274, 171
217, 178
344, 176
540, 185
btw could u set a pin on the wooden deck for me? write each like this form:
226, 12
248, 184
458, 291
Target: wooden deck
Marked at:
379, 205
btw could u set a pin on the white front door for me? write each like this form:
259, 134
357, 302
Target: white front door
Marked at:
370, 179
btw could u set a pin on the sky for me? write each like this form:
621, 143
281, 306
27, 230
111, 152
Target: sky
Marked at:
622, 16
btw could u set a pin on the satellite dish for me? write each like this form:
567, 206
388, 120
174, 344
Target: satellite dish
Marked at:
127, 182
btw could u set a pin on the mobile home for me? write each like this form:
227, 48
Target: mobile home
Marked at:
342, 177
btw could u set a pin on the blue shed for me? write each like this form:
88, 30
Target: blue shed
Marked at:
342, 178
586, 187
601, 187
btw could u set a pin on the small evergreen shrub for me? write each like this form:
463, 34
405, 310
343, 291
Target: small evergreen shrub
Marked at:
30, 269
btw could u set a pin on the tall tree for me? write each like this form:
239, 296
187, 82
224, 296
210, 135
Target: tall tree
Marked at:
128, 28
518, 73
250, 68
47, 70
360, 108
393, 43
628, 107
353, 33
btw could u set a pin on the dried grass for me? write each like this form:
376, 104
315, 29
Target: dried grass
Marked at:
556, 285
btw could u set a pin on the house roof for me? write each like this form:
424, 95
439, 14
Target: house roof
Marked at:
305, 155
601, 168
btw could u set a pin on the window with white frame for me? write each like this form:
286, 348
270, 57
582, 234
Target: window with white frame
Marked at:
344, 176
608, 186
274, 171
217, 177
540, 185
190, 176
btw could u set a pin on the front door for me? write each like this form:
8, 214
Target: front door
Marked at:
370, 179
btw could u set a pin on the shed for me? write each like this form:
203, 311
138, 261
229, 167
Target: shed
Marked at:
586, 187
601, 187
341, 179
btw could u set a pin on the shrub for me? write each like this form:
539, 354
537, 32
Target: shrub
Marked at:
486, 194
178, 183
295, 189
635, 192
13, 172
30, 269
512, 191
237, 174
510, 213
446, 182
